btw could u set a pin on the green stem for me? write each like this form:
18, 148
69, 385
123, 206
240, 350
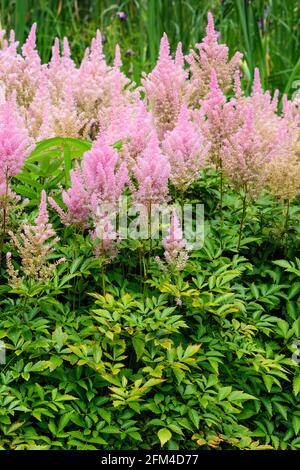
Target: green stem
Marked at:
4, 218
242, 222
150, 228
287, 213
103, 279
221, 195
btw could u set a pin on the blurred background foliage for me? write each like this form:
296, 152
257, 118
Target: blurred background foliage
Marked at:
266, 31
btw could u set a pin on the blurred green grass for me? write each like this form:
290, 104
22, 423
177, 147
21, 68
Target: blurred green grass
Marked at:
266, 31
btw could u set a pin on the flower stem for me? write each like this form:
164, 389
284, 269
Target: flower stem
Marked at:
4, 217
287, 214
242, 222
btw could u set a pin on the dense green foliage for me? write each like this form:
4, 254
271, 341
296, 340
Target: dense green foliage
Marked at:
261, 29
108, 359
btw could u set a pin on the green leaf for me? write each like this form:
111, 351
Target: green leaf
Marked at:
195, 418
106, 415
59, 337
296, 385
110, 430
138, 343
164, 436
296, 424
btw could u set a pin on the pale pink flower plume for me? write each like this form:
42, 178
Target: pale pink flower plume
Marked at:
165, 88
152, 172
211, 56
186, 150
176, 247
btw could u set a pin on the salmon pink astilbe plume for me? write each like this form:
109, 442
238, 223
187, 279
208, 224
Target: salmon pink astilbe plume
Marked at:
218, 119
39, 115
186, 150
165, 87
100, 180
283, 179
266, 119
176, 247
104, 180
76, 200
14, 141
104, 236
152, 172
34, 245
97, 83
211, 56
132, 126
291, 115
32, 69
20, 73
245, 157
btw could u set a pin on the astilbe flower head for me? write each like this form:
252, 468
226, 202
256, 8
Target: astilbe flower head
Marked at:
291, 115
10, 64
283, 178
130, 126
104, 236
266, 119
61, 71
186, 150
20, 73
76, 200
14, 141
104, 178
34, 244
67, 121
152, 172
211, 56
176, 247
245, 157
165, 87
97, 83
218, 119
31, 71
99, 180
39, 116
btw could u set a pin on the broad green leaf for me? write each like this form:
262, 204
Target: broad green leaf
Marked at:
164, 436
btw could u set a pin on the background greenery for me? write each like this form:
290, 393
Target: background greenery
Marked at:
266, 31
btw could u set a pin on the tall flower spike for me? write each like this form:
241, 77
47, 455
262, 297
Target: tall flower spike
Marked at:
165, 87
29, 46
105, 237
76, 200
152, 172
34, 245
176, 247
211, 56
245, 158
118, 60
104, 181
14, 141
283, 179
186, 150
218, 119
